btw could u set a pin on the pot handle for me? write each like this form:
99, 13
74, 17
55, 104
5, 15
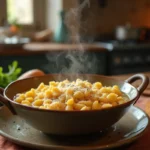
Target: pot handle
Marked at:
5, 101
144, 84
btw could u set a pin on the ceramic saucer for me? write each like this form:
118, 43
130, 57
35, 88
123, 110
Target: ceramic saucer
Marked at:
125, 131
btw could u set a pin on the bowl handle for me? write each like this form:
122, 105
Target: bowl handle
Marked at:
5, 101
144, 84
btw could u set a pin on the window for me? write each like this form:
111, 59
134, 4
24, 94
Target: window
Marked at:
3, 14
20, 11
29, 13
34, 14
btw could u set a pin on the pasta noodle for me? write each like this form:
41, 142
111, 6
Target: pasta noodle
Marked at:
72, 95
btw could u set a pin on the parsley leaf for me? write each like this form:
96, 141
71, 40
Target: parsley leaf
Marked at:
11, 75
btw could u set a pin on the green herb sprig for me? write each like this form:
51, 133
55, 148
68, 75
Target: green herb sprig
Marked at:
11, 75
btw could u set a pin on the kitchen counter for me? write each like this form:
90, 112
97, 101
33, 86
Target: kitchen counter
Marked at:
38, 48
46, 47
15, 50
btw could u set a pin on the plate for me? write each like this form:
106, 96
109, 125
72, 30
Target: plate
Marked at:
125, 131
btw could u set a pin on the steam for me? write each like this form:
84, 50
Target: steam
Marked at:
73, 61
73, 20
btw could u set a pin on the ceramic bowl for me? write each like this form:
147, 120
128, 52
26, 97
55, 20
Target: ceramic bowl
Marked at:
71, 122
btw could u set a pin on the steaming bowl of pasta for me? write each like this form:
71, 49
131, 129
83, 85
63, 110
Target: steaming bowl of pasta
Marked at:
67, 104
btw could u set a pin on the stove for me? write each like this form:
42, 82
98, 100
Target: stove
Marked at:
127, 57
127, 45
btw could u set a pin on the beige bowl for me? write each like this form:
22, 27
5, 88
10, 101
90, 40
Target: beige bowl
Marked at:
71, 122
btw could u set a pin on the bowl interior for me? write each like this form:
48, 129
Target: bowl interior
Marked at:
26, 84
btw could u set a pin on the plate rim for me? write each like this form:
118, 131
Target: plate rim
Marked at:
59, 147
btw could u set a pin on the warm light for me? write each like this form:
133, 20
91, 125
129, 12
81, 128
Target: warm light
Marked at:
20, 11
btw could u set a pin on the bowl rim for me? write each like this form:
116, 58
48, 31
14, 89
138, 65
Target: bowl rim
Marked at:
76, 111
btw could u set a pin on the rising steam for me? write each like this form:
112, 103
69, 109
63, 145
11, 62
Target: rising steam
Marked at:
76, 61
73, 20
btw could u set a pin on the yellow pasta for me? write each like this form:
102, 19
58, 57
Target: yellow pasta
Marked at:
106, 105
112, 97
70, 101
41, 95
78, 106
86, 103
79, 95
42, 107
41, 86
85, 108
47, 101
48, 93
52, 83
38, 102
29, 94
76, 95
96, 105
55, 106
26, 102
18, 99
69, 91
97, 85
68, 107
30, 99
22, 96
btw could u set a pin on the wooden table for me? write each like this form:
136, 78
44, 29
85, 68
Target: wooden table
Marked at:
143, 143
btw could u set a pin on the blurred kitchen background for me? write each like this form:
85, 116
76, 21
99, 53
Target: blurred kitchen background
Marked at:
106, 37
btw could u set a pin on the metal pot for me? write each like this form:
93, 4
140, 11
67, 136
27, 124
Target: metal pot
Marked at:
123, 33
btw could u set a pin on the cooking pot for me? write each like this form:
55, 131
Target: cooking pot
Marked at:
123, 33
71, 122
